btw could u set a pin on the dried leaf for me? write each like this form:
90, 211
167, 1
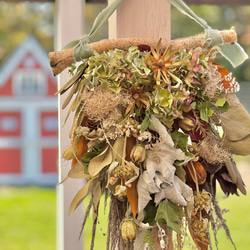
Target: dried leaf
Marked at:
84, 191
132, 197
177, 192
73, 90
117, 149
159, 177
145, 187
77, 171
81, 147
72, 80
236, 126
100, 161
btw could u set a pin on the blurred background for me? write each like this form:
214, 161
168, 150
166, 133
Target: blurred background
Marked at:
29, 124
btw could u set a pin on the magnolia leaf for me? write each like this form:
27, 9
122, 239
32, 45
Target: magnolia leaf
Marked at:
236, 126
100, 161
84, 191
117, 149
78, 171
169, 214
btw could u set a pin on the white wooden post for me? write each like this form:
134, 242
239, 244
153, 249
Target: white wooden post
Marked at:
141, 18
69, 26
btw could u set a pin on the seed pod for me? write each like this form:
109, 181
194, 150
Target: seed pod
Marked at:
68, 153
128, 229
187, 123
199, 170
138, 154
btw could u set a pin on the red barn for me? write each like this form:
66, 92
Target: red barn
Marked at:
28, 118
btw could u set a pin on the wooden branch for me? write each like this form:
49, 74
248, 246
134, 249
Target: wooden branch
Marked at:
59, 60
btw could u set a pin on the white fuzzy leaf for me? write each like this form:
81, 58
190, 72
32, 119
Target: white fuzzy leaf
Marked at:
143, 192
178, 193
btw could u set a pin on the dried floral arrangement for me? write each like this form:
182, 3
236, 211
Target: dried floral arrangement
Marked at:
155, 126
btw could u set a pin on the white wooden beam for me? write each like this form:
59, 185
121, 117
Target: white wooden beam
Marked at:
141, 18
69, 26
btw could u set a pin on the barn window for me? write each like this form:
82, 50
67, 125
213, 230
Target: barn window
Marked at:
29, 82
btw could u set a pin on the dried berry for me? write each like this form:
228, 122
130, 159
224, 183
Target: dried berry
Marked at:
187, 123
68, 153
128, 229
138, 154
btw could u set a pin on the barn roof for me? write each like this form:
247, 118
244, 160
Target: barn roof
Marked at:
29, 45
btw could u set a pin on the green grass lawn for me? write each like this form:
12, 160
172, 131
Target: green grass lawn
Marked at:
28, 220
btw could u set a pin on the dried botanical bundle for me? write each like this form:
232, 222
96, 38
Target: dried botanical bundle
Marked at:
146, 130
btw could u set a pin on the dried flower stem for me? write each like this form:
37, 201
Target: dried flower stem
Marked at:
196, 179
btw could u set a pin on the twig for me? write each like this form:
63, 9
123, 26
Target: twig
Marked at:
59, 60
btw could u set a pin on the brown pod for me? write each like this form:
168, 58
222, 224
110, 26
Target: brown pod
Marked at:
199, 170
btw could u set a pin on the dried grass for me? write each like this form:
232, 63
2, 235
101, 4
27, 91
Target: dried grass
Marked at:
99, 104
212, 152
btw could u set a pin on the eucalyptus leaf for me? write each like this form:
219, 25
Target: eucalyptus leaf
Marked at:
100, 161
146, 123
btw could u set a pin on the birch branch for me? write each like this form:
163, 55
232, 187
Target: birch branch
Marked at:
59, 60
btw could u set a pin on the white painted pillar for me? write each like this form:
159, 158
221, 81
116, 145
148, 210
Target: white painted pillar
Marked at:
69, 27
141, 18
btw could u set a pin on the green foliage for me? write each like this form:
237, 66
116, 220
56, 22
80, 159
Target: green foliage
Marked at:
169, 214
181, 141
19, 20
